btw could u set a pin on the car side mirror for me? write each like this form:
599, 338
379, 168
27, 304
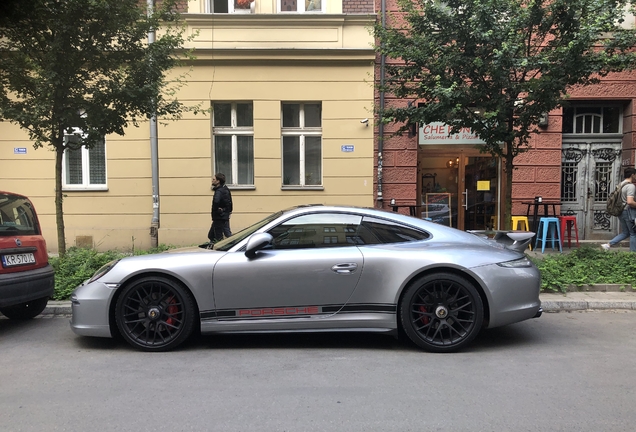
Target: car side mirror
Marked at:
257, 242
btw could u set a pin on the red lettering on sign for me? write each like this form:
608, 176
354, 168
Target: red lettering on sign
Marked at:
308, 310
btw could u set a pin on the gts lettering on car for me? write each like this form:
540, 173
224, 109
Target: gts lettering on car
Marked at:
261, 312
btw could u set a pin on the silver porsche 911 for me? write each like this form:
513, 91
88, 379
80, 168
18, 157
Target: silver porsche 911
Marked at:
317, 268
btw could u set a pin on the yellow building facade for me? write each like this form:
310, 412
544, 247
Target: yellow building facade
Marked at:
289, 90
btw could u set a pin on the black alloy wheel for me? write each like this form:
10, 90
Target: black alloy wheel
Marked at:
155, 314
441, 312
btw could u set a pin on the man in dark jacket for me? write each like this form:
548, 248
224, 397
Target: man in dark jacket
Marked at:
221, 208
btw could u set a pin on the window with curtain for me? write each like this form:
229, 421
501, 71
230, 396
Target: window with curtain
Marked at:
228, 6
301, 6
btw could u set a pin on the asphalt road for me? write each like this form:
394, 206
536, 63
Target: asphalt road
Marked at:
561, 372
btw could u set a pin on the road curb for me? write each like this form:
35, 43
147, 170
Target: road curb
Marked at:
588, 300
57, 308
575, 305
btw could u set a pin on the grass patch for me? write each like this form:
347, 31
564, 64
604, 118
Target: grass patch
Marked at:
80, 264
586, 265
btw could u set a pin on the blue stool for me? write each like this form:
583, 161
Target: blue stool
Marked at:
548, 224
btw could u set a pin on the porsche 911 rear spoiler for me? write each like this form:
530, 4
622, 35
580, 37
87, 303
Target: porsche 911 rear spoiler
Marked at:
514, 240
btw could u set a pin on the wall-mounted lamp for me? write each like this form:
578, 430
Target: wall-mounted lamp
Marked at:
392, 201
452, 163
543, 120
365, 122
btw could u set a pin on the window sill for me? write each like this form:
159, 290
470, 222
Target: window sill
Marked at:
296, 188
239, 187
79, 188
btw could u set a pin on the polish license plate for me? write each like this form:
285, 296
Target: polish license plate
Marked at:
18, 259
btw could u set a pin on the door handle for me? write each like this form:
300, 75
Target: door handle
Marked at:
345, 268
465, 193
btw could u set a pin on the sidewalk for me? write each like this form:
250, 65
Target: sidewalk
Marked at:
551, 302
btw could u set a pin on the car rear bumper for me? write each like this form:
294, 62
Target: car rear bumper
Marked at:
513, 294
22, 287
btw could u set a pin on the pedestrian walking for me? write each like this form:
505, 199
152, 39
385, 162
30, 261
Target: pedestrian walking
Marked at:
627, 227
221, 209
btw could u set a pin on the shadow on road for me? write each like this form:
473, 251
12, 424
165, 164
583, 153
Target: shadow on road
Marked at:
513, 336
509, 337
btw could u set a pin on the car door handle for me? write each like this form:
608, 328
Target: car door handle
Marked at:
345, 268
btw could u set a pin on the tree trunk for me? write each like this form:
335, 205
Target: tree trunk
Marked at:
508, 167
59, 211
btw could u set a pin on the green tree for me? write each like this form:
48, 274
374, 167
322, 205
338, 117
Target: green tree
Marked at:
73, 71
498, 66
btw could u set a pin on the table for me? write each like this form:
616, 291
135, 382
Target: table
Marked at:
536, 205
412, 208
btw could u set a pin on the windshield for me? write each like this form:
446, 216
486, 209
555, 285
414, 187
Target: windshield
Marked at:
17, 216
230, 242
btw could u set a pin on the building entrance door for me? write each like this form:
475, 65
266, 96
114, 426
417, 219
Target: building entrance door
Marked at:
589, 172
460, 189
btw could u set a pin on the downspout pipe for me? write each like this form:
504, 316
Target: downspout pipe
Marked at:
154, 154
380, 196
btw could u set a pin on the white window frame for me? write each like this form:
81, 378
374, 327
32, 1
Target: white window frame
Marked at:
589, 117
301, 7
234, 131
86, 184
301, 132
209, 6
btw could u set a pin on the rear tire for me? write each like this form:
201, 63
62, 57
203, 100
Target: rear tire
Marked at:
25, 311
155, 314
441, 312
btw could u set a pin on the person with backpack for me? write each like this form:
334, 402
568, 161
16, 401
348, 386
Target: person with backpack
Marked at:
627, 190
221, 209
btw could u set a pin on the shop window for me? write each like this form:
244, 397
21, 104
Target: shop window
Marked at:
233, 125
302, 144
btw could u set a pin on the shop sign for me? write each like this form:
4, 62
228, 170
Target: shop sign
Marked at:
439, 133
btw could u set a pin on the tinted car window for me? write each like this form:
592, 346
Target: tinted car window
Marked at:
16, 216
378, 231
316, 230
228, 243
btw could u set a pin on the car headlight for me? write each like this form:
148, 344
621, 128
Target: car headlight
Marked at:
518, 263
103, 270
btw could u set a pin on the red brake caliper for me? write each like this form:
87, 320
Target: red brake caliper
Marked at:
425, 319
172, 309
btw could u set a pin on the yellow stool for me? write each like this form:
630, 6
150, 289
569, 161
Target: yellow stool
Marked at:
520, 223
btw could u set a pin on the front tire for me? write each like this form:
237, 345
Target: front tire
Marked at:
155, 314
441, 312
27, 310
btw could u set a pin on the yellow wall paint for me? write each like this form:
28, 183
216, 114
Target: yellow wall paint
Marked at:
123, 212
